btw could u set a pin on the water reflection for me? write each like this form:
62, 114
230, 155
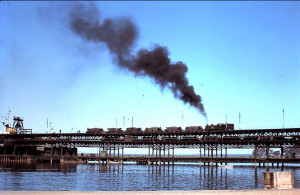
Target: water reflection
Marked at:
39, 167
131, 177
255, 177
112, 168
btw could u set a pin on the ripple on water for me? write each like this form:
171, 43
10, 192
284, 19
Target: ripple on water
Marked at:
95, 177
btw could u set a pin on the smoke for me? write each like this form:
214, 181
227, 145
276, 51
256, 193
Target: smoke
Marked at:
120, 34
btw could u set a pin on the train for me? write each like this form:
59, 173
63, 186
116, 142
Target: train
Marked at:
169, 130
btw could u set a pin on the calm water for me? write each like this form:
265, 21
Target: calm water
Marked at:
131, 177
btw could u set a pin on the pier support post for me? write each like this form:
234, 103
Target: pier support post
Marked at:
200, 152
99, 154
109, 149
255, 152
51, 155
255, 155
221, 154
173, 151
173, 154
164, 154
153, 151
168, 154
226, 155
118, 151
159, 151
61, 154
207, 152
268, 155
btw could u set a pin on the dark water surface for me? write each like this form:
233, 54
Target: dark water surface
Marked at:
131, 177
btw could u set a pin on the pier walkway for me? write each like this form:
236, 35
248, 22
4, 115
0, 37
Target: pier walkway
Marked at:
150, 160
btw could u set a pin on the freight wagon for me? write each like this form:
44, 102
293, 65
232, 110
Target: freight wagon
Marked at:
95, 131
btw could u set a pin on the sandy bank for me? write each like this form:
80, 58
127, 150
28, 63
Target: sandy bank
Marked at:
216, 192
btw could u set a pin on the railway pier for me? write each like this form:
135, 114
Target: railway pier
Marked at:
212, 142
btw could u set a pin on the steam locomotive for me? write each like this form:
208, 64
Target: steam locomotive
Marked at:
220, 127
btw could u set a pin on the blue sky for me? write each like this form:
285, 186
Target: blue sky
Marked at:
241, 57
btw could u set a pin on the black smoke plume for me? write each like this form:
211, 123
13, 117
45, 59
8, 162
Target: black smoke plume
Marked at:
120, 35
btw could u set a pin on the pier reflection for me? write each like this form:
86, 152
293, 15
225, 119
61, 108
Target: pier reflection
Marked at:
38, 167
107, 168
208, 177
255, 177
135, 177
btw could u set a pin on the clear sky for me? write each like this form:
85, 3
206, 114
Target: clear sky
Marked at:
241, 57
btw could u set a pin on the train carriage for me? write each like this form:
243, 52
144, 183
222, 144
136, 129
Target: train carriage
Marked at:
173, 130
95, 131
133, 130
115, 130
194, 129
153, 130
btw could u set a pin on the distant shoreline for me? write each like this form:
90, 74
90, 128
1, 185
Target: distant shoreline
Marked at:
190, 192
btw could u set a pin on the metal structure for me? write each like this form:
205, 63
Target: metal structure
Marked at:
212, 142
17, 127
